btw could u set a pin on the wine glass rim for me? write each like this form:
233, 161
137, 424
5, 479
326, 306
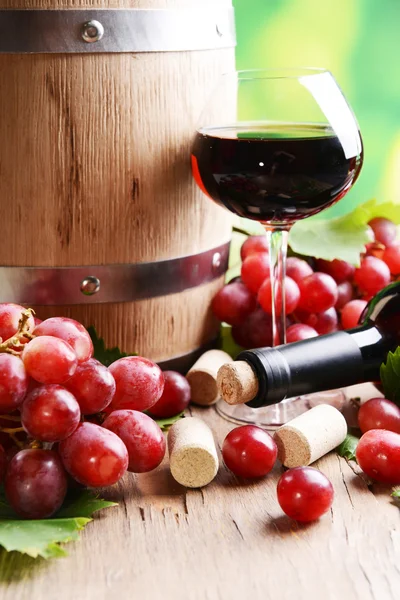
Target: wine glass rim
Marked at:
277, 73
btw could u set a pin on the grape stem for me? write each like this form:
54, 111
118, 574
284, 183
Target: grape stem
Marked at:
16, 441
11, 431
10, 418
14, 345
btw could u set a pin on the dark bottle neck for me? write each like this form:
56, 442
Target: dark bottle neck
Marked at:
322, 363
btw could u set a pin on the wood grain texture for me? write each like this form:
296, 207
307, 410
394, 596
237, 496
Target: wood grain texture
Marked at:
227, 541
95, 169
95, 157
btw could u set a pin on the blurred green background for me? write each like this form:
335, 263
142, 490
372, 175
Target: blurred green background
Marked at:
359, 41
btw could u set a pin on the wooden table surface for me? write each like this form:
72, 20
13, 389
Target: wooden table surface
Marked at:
227, 541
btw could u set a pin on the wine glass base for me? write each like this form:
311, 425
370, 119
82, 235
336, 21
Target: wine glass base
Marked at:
271, 417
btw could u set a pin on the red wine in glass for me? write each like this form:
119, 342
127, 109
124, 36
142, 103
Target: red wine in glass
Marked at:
276, 174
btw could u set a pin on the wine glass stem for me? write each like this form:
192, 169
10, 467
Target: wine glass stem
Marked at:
278, 243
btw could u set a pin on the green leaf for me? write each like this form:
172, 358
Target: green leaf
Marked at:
344, 237
226, 341
105, 355
83, 504
347, 448
363, 213
42, 537
165, 424
337, 238
390, 376
396, 494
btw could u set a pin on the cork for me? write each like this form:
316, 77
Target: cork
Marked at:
311, 435
202, 377
192, 454
237, 382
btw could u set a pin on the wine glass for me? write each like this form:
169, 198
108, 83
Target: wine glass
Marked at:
276, 146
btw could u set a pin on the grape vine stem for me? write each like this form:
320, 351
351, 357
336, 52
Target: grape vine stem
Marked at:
10, 418
14, 344
11, 431
16, 441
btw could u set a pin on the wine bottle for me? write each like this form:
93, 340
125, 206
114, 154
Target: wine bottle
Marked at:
321, 363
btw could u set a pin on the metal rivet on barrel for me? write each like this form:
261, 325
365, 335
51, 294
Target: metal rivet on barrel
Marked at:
216, 262
92, 31
90, 285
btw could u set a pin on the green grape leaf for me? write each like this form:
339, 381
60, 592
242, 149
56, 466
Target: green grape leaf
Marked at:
226, 341
396, 493
363, 213
347, 448
43, 537
343, 237
165, 424
40, 537
105, 355
83, 504
338, 238
390, 376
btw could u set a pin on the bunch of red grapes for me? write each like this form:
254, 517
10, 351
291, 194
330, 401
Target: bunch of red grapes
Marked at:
321, 296
66, 417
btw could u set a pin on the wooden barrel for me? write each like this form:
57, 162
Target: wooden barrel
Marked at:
100, 218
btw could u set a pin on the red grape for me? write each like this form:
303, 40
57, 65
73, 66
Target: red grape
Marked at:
249, 451
70, 331
255, 269
140, 383
10, 315
13, 382
49, 359
292, 296
255, 332
391, 257
323, 322
94, 456
304, 493
345, 294
298, 269
379, 413
340, 270
50, 413
351, 313
372, 276
3, 463
93, 386
253, 245
36, 483
298, 332
233, 303
175, 397
142, 437
384, 230
318, 292
378, 454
